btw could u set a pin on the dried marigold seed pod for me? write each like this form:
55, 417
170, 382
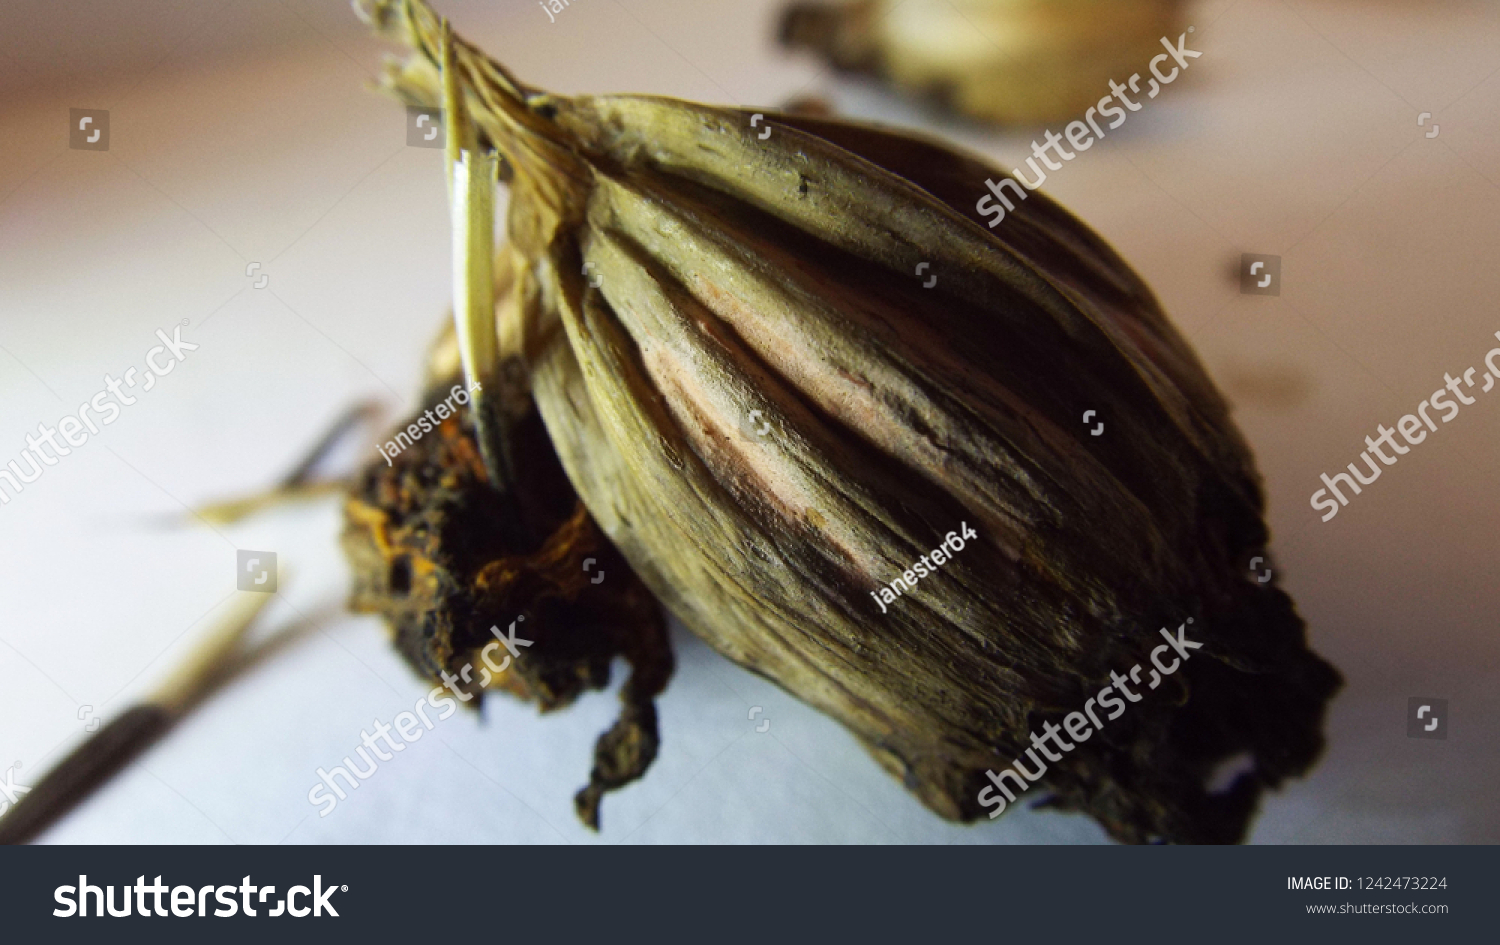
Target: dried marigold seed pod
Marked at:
782, 358
1009, 61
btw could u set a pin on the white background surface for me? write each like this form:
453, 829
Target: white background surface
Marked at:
241, 132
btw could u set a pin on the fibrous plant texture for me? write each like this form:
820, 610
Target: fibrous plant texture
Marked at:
778, 368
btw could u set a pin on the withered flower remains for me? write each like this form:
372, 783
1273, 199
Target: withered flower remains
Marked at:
781, 358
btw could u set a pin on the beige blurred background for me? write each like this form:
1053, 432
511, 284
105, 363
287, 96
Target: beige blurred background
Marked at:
241, 132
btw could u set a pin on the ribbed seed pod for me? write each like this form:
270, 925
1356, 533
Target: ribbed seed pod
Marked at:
781, 359
1009, 61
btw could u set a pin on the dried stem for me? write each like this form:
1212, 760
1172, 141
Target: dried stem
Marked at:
115, 745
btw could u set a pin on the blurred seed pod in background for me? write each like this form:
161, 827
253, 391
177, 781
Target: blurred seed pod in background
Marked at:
1006, 61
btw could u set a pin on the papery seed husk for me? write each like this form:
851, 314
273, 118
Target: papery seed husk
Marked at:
736, 274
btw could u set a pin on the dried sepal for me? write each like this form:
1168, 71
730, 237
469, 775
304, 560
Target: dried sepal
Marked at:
424, 538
